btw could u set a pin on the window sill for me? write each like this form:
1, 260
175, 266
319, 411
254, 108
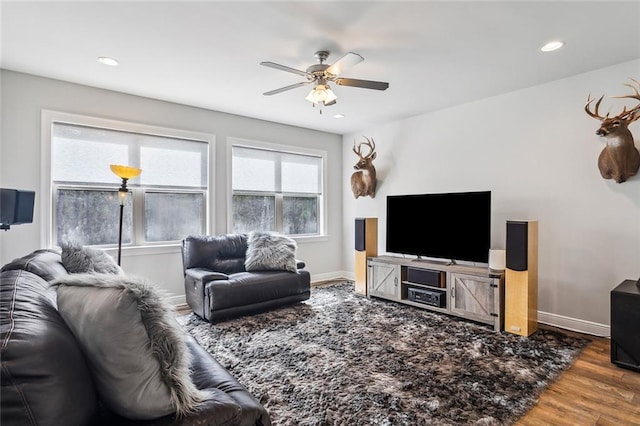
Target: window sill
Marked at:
311, 239
173, 248
146, 250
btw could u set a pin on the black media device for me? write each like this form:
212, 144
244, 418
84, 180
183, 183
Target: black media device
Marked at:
426, 277
428, 297
451, 226
16, 207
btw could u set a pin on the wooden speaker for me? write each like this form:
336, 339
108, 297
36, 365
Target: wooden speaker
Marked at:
366, 245
521, 278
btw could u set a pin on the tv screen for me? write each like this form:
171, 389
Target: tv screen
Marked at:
452, 226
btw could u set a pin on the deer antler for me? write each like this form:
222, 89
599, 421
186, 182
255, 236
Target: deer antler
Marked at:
370, 143
626, 115
354, 149
595, 113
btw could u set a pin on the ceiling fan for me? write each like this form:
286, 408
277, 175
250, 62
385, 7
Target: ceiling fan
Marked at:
321, 74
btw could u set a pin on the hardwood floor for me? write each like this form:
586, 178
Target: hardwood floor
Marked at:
593, 391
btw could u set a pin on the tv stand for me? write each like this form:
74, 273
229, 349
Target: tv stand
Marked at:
471, 292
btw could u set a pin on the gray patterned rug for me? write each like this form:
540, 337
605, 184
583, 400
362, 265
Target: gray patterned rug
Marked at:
343, 359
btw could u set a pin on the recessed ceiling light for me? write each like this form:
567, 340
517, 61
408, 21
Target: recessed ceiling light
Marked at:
552, 45
108, 61
338, 116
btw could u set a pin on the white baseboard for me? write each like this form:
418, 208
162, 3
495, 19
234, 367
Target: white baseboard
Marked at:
332, 276
574, 324
177, 300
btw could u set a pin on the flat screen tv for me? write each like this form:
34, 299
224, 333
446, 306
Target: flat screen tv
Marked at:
452, 226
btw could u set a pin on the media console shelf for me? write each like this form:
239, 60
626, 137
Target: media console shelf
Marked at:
471, 292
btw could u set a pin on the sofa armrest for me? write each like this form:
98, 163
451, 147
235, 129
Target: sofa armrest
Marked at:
300, 264
218, 410
205, 275
231, 403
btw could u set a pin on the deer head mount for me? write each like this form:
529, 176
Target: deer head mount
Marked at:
363, 180
619, 159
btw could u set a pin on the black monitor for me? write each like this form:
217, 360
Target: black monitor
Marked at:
16, 207
451, 226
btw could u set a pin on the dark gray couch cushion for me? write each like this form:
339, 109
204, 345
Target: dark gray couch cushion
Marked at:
249, 288
45, 379
219, 253
45, 263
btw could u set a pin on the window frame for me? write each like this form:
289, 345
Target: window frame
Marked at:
49, 187
287, 149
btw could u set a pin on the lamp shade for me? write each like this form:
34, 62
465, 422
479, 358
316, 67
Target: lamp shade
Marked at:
497, 259
321, 93
125, 172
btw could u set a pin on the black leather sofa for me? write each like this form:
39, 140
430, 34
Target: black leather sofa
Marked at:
217, 285
45, 378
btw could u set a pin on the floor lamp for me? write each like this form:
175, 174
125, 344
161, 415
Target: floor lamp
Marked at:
125, 173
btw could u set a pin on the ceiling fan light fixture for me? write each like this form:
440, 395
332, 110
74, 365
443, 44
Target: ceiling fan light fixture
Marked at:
321, 93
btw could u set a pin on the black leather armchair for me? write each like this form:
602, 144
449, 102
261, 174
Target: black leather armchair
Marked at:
218, 286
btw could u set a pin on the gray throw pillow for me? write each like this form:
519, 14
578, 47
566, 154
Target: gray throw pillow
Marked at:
78, 260
270, 251
137, 355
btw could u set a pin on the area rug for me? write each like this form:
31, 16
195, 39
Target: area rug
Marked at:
344, 359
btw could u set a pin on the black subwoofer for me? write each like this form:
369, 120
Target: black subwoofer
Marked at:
625, 325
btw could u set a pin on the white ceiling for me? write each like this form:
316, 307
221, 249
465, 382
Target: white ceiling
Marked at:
207, 54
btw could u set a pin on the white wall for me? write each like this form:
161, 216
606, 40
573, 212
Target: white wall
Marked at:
25, 96
537, 151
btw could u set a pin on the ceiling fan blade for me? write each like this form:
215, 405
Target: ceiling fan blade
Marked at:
284, 89
366, 84
288, 69
348, 60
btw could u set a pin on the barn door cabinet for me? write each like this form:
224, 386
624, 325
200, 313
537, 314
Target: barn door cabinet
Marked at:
471, 292
476, 297
383, 280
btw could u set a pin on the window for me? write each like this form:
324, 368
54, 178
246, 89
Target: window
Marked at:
167, 201
275, 190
